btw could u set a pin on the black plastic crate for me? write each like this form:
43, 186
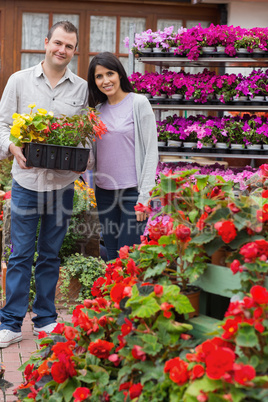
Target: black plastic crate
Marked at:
56, 157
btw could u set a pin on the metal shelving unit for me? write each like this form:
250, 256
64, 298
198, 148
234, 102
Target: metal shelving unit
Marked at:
216, 107
255, 60
219, 61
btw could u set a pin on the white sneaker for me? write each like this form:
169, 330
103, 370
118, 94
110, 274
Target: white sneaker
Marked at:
47, 328
8, 337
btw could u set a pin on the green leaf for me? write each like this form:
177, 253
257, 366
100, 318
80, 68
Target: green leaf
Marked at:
96, 377
213, 246
221, 213
56, 397
241, 238
152, 349
72, 384
168, 185
156, 270
165, 240
246, 336
201, 181
203, 238
163, 336
15, 140
205, 384
192, 215
155, 373
180, 302
144, 308
125, 370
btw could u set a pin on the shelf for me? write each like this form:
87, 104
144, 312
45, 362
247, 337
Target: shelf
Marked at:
164, 61
205, 106
214, 154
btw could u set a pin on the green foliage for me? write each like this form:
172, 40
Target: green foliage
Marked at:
86, 269
5, 174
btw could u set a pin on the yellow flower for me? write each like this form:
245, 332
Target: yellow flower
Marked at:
19, 122
15, 131
42, 111
32, 105
15, 115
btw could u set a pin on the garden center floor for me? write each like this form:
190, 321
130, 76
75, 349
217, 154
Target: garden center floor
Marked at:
18, 353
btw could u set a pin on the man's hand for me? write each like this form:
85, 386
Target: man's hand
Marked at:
17, 152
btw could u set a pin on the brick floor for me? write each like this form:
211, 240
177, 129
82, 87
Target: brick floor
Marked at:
17, 354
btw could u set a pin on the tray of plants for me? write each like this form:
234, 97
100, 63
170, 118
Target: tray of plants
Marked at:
56, 142
56, 156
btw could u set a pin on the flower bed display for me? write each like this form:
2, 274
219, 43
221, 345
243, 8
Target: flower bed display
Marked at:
193, 42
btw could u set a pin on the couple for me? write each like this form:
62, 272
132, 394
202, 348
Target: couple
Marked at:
125, 171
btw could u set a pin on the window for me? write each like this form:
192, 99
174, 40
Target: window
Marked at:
35, 27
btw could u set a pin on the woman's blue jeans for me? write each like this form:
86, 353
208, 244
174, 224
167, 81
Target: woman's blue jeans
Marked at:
117, 218
27, 207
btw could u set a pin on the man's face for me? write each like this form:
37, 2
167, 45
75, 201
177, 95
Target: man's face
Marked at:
60, 49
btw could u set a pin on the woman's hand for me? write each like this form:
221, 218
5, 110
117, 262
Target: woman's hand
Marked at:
141, 216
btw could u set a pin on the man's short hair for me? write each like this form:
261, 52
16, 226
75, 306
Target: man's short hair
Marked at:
66, 25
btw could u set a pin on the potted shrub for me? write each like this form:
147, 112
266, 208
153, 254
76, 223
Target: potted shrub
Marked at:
77, 276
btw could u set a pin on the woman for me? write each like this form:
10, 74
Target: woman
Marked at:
126, 156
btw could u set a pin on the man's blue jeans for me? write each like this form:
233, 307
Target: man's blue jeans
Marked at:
27, 207
117, 218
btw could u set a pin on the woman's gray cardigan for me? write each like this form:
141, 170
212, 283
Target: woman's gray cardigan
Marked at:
146, 149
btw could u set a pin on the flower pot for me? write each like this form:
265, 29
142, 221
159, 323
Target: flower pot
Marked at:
161, 96
254, 148
220, 256
176, 96
221, 145
73, 292
172, 50
265, 147
242, 50
188, 145
220, 49
258, 98
193, 294
237, 148
241, 98
146, 50
173, 143
158, 50
161, 143
56, 157
208, 49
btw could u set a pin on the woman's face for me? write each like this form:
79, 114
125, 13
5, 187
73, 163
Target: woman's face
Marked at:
107, 81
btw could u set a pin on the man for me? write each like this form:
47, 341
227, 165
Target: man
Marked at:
38, 192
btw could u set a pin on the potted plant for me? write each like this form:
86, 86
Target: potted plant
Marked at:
248, 43
54, 143
77, 275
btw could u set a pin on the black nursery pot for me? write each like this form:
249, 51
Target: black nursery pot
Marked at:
56, 157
